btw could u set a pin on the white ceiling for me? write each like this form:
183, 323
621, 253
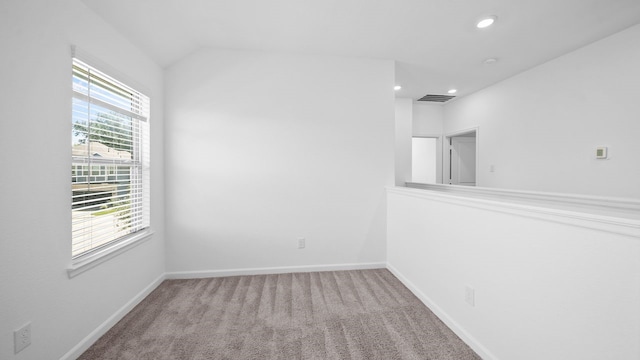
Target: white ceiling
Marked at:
435, 43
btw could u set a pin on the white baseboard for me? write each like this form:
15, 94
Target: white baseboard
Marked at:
448, 320
272, 270
77, 350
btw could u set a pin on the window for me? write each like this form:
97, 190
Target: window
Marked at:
110, 160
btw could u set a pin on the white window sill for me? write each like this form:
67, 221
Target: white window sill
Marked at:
89, 261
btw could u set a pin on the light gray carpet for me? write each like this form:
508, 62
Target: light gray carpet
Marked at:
364, 314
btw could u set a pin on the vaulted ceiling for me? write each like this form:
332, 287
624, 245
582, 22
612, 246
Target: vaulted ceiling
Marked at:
435, 43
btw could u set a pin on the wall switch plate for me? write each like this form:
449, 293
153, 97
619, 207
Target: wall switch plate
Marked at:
470, 295
301, 243
22, 338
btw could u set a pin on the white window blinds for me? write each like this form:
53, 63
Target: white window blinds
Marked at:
110, 160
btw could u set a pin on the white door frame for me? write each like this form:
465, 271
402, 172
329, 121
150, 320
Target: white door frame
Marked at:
446, 155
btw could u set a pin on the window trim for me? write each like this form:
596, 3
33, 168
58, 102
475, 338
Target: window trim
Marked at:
92, 259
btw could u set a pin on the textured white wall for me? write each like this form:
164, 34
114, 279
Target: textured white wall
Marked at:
35, 217
543, 290
263, 148
540, 128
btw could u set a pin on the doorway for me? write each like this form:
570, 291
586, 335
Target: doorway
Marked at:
461, 158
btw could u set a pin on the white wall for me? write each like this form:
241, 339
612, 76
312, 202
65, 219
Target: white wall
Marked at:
540, 128
263, 148
404, 120
544, 289
428, 119
35, 216
424, 152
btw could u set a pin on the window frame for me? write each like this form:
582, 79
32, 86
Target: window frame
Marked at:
98, 254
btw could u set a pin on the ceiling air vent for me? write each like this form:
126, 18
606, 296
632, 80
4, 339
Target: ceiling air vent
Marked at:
436, 98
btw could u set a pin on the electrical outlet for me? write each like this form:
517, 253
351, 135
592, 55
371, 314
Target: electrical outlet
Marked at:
301, 243
470, 295
22, 338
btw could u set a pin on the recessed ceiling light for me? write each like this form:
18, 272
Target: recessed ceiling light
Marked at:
397, 87
452, 91
486, 22
490, 61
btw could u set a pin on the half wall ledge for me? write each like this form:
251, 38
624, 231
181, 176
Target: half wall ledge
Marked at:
615, 215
